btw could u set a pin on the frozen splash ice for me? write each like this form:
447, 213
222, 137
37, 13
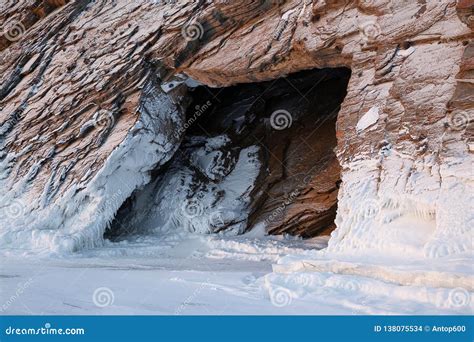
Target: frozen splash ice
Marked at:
77, 219
404, 210
207, 189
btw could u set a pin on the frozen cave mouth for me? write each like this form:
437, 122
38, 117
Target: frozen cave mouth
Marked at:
253, 155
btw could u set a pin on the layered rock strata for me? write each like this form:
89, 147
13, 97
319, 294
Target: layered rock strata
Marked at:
89, 88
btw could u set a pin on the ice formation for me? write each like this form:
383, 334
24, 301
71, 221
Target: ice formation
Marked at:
431, 221
78, 218
368, 119
205, 190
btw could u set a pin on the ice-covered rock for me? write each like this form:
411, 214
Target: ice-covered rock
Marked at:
75, 132
206, 189
368, 119
64, 216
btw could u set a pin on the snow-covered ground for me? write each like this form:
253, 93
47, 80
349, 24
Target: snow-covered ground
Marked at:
190, 274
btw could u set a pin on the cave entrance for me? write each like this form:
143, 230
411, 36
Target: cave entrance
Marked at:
293, 122
254, 155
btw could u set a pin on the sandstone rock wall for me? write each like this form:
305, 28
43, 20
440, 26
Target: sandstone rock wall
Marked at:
80, 88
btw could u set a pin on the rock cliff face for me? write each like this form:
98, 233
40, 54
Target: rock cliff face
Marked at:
150, 115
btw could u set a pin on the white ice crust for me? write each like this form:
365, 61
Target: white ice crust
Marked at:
77, 219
